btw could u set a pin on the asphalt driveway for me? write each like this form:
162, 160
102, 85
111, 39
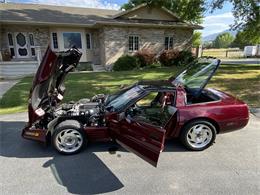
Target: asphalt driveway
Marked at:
230, 166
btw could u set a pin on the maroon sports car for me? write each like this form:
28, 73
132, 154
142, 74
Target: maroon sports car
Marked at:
139, 117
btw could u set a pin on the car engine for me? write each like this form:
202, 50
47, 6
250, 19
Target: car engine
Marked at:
89, 112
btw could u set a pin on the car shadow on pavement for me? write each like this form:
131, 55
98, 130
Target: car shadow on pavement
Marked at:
83, 173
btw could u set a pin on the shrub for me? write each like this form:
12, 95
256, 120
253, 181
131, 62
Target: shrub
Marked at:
168, 57
145, 57
126, 62
175, 57
185, 57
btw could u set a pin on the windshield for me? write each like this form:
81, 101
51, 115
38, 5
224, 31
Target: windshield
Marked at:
197, 75
125, 98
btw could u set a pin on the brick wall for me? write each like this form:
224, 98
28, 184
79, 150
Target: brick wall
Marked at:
116, 40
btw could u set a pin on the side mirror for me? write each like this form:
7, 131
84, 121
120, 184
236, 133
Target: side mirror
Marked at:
121, 116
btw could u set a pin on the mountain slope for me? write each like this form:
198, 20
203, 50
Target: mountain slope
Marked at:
212, 37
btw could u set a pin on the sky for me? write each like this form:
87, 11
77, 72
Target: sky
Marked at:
215, 22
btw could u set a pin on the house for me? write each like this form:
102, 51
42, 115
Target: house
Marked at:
102, 35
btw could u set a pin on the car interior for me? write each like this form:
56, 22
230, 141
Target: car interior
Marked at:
203, 97
155, 108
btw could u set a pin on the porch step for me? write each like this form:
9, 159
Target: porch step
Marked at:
98, 68
17, 69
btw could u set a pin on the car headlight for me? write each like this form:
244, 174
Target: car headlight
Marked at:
40, 112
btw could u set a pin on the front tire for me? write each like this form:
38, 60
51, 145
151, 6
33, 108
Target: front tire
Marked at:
198, 135
68, 137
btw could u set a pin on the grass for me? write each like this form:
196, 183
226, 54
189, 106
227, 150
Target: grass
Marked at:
243, 81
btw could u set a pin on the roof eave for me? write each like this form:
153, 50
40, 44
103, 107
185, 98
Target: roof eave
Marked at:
100, 23
46, 23
190, 26
128, 11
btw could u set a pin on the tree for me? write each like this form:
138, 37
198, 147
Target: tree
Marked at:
187, 10
223, 40
196, 39
246, 13
242, 40
208, 44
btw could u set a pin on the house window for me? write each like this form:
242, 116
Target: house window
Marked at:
10, 39
11, 44
168, 43
133, 43
31, 41
55, 41
72, 39
88, 41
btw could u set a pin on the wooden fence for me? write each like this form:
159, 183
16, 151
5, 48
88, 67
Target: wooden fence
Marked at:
223, 53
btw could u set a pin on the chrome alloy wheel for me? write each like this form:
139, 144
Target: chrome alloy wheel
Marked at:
199, 136
68, 140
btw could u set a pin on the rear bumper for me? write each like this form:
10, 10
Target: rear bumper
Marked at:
34, 134
228, 126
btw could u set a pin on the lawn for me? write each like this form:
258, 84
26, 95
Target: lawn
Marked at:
241, 80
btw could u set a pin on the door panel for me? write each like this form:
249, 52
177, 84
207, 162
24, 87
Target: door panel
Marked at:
21, 45
145, 140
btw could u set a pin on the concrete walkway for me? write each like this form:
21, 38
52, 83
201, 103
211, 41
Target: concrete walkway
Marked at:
5, 85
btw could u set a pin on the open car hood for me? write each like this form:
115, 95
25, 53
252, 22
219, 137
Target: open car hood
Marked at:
196, 76
48, 83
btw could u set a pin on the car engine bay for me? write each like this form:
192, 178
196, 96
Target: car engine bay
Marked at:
90, 112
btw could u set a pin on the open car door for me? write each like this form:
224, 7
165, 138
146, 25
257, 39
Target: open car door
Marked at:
145, 140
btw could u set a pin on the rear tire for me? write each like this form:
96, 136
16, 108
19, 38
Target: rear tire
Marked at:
198, 135
69, 137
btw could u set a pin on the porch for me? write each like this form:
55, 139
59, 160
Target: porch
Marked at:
17, 69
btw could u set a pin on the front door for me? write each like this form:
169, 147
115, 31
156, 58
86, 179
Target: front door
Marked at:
143, 139
21, 45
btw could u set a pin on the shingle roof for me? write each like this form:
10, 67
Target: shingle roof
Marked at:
49, 13
62, 15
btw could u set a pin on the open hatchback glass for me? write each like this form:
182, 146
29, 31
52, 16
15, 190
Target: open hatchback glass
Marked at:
197, 75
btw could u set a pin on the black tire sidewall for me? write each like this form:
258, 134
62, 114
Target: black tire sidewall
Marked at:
187, 127
69, 125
